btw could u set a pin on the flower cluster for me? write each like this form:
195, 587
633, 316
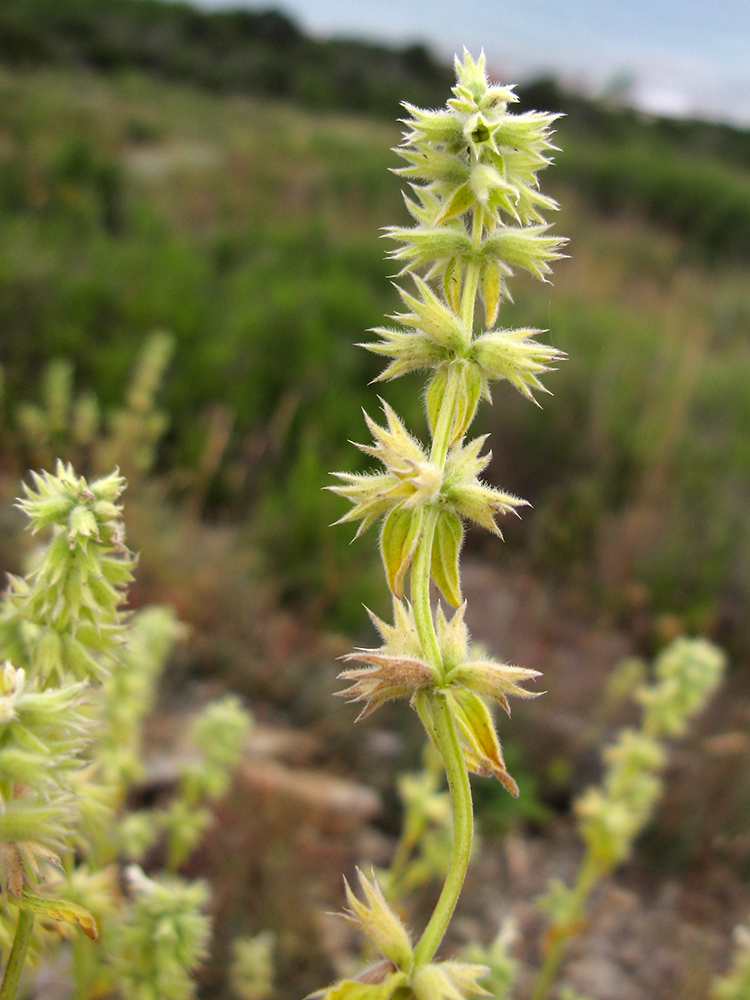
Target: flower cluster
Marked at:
397, 972
476, 205
129, 694
472, 166
399, 669
252, 971
686, 675
217, 735
612, 815
75, 688
59, 627
412, 483
42, 734
163, 937
216, 738
63, 617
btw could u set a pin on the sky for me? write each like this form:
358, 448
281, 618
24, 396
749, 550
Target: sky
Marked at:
681, 57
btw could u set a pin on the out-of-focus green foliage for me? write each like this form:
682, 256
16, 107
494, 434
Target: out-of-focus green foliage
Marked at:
231, 239
248, 230
690, 176
736, 983
263, 52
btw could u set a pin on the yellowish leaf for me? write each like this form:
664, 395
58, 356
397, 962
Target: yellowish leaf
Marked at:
483, 754
61, 910
435, 395
446, 548
467, 398
452, 284
491, 292
398, 542
360, 989
459, 202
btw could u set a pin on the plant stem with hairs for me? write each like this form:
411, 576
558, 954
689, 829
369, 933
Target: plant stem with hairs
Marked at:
477, 208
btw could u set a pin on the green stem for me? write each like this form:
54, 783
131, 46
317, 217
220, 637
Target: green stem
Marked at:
24, 927
445, 421
420, 589
588, 875
548, 971
443, 727
420, 570
444, 734
471, 280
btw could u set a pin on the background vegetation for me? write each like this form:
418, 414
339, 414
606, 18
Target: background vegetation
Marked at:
247, 228
223, 178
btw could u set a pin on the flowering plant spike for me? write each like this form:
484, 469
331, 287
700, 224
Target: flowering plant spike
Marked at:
77, 678
478, 216
687, 674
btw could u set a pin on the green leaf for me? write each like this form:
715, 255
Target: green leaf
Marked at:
351, 989
467, 399
435, 396
423, 702
348, 989
398, 542
460, 201
452, 284
446, 548
491, 292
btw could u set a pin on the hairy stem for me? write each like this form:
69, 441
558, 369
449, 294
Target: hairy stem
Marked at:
444, 733
24, 927
420, 570
444, 426
420, 590
471, 280
444, 728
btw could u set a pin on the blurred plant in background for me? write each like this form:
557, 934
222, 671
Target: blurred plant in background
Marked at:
244, 225
423, 849
610, 817
77, 684
68, 427
735, 985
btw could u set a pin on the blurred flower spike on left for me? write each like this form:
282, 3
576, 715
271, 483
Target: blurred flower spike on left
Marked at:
59, 629
42, 734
